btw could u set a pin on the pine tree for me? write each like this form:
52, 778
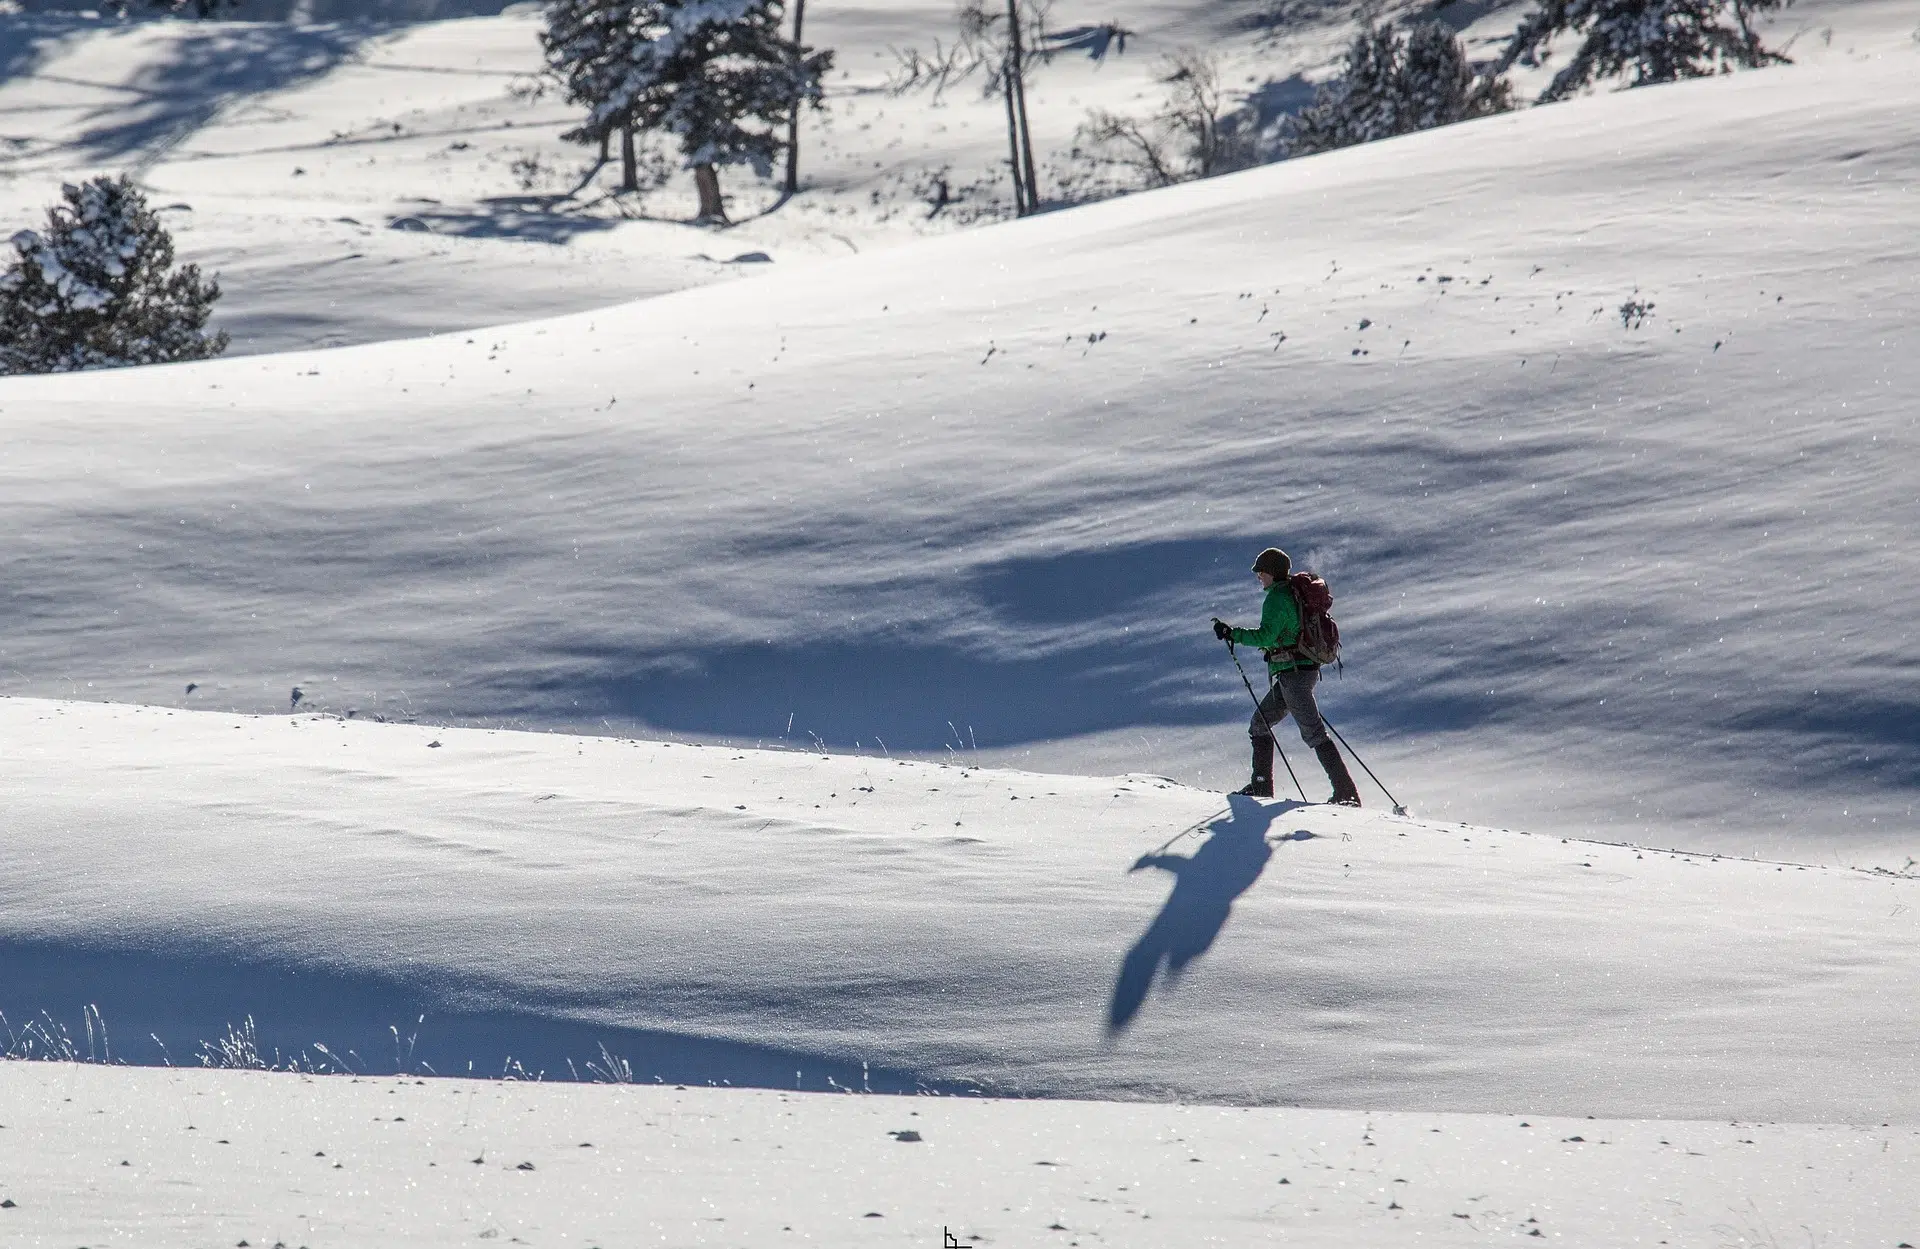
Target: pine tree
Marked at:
99, 289
586, 42
1393, 84
716, 74
1645, 41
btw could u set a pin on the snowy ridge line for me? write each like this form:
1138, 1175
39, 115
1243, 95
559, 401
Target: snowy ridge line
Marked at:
1873, 870
776, 746
714, 913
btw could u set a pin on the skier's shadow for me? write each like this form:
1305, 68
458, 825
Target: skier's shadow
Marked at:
1204, 887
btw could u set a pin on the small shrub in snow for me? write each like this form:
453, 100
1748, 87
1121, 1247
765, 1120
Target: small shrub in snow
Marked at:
717, 75
238, 1050
1192, 134
611, 1069
1395, 84
1644, 41
99, 289
1005, 41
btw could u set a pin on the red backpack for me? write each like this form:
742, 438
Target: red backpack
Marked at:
1319, 637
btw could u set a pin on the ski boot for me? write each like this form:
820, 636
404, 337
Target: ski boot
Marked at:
1261, 786
1345, 793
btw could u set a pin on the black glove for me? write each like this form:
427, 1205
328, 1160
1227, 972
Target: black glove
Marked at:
1222, 630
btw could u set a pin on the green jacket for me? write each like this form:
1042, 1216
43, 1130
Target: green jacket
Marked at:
1279, 628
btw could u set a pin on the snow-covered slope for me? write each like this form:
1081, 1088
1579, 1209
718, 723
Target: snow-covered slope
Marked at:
288, 151
297, 147
1593, 414
179, 1160
788, 919
986, 490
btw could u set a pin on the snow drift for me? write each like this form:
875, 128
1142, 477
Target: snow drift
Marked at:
798, 920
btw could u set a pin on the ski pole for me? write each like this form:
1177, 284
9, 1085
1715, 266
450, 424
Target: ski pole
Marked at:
1262, 713
1398, 807
1193, 827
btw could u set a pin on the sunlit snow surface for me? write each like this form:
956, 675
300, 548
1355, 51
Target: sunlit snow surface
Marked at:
363, 897
783, 918
177, 1160
1620, 595
365, 175
1645, 581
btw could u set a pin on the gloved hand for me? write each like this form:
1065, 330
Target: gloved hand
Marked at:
1222, 630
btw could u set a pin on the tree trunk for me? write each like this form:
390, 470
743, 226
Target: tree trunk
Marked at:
1013, 142
1020, 103
793, 123
712, 208
629, 166
587, 178
1026, 145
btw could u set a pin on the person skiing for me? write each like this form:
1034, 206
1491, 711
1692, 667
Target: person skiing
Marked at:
1290, 682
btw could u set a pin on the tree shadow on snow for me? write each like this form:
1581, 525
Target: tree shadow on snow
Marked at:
208, 68
28, 39
1205, 885
1279, 97
360, 10
1272, 17
526, 218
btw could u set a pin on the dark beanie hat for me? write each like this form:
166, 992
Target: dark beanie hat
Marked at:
1274, 562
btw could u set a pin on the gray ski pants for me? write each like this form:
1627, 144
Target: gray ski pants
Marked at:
1291, 694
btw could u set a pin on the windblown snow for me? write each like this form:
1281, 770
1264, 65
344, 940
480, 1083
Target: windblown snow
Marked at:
803, 681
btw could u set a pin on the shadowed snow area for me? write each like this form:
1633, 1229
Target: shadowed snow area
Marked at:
784, 918
982, 493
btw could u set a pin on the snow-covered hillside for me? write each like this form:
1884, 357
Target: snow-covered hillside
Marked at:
296, 149
806, 921
372, 170
350, 897
985, 490
804, 681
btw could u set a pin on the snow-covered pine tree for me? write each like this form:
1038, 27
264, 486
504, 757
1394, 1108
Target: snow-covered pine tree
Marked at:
1356, 107
99, 289
1437, 84
586, 42
716, 74
1645, 41
1395, 84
